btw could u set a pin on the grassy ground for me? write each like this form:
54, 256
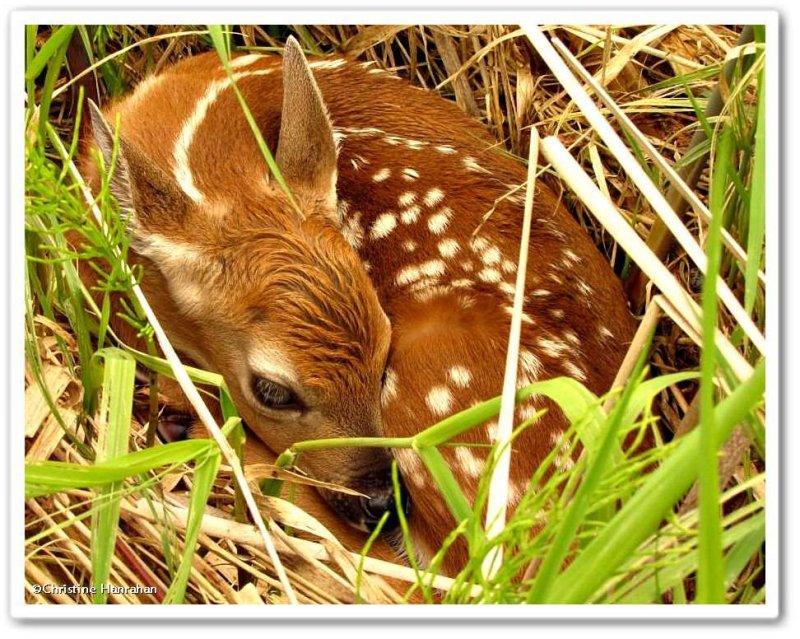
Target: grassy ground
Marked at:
679, 523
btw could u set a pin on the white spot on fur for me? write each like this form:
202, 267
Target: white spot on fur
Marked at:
605, 333
327, 64
584, 288
572, 338
448, 248
433, 268
410, 466
433, 197
491, 256
557, 313
492, 430
509, 266
438, 222
571, 257
445, 149
409, 175
553, 348
508, 288
364, 131
479, 244
468, 462
246, 60
352, 231
407, 198
527, 319
180, 152
383, 225
490, 275
439, 400
407, 275
409, 246
555, 278
410, 215
524, 380
471, 164
382, 175
540, 292
462, 283
460, 376
468, 266
527, 410
574, 371
531, 364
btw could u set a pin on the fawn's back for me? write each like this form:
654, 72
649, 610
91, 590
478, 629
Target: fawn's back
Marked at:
419, 219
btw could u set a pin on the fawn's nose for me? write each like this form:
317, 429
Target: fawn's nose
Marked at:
374, 506
377, 497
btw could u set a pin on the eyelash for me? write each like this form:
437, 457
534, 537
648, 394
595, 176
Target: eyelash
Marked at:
273, 395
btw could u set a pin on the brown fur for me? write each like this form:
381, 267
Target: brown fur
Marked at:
268, 274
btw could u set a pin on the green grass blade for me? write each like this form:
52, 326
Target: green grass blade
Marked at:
44, 478
743, 539
205, 471
758, 208
743, 550
710, 573
581, 503
643, 513
30, 52
446, 482
49, 51
161, 366
645, 392
115, 411
54, 71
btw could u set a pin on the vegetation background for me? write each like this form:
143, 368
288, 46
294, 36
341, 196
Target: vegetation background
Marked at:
105, 503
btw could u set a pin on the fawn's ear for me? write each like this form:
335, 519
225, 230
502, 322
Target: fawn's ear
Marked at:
156, 210
306, 148
147, 196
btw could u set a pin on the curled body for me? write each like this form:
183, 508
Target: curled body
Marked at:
379, 301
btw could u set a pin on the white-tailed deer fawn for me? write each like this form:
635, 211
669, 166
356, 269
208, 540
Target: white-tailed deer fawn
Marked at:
383, 305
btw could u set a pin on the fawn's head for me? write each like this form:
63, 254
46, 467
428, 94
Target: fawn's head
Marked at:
263, 288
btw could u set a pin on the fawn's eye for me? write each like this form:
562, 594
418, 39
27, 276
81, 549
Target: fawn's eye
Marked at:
274, 395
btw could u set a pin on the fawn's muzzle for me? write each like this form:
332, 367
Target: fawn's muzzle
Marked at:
366, 510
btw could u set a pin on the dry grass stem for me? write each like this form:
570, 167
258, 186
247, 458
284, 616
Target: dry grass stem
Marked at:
573, 175
641, 179
675, 179
644, 332
497, 502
